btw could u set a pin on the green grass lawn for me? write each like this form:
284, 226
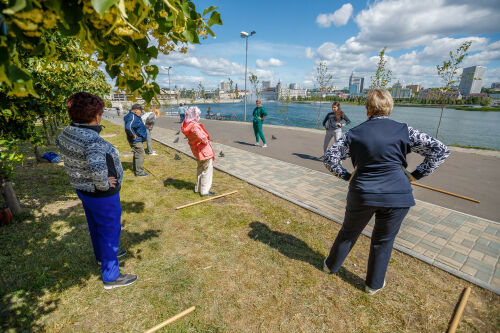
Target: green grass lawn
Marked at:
249, 262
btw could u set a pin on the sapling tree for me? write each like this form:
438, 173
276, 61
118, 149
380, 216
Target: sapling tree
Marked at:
254, 80
448, 74
285, 100
324, 80
383, 74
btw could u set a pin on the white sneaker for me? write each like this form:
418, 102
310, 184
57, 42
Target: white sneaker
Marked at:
256, 144
325, 268
264, 146
371, 291
153, 154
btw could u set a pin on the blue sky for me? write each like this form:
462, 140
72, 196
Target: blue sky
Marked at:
292, 37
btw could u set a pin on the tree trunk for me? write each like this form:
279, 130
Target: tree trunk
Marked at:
439, 124
45, 128
10, 197
319, 114
54, 121
38, 157
51, 126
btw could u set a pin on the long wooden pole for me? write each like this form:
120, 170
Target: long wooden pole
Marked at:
460, 310
212, 198
445, 192
171, 320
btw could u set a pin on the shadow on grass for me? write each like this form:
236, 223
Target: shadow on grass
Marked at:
46, 254
128, 166
244, 143
297, 249
178, 184
307, 157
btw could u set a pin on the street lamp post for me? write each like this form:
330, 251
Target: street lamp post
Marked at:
169, 90
245, 35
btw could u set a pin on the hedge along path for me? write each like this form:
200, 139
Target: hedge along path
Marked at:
212, 198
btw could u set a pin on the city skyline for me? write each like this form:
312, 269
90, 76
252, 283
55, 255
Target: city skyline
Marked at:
291, 40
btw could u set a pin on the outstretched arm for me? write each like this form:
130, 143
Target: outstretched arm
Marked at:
335, 154
434, 151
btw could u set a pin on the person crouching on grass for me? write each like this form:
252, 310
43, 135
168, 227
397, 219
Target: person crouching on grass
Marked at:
95, 172
379, 184
199, 141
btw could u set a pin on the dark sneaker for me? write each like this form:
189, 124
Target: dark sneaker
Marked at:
122, 281
209, 194
142, 175
119, 254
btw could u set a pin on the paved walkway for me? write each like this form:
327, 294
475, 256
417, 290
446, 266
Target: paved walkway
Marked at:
463, 245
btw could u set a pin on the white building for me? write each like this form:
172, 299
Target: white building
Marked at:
266, 84
224, 86
472, 80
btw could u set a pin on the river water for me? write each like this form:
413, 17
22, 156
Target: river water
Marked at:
471, 128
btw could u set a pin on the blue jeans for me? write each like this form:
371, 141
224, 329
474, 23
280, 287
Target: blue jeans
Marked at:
104, 220
387, 224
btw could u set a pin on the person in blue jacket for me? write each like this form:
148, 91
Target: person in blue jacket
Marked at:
136, 135
379, 184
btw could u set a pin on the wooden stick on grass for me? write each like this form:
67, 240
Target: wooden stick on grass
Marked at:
212, 198
445, 192
460, 310
171, 320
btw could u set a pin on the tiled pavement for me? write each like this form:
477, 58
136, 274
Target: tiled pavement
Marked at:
463, 245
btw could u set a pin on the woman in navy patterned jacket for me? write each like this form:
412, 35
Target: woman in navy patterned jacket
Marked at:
380, 184
95, 172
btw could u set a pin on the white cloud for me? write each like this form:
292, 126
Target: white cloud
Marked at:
309, 54
209, 66
272, 62
409, 23
338, 18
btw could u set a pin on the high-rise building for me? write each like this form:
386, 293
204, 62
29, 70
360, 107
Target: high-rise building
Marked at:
415, 88
266, 84
224, 86
293, 86
472, 80
398, 91
356, 84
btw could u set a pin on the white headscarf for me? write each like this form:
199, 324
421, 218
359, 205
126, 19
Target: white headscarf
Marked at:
192, 114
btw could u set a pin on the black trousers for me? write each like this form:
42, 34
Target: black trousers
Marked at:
387, 224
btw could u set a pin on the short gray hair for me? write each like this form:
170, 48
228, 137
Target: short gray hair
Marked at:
379, 102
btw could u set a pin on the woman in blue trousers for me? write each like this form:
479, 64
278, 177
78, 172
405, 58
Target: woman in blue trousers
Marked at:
95, 172
380, 184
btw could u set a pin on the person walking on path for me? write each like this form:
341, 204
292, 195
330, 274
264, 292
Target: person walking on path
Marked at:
136, 135
182, 112
95, 172
199, 141
333, 124
259, 113
149, 119
380, 184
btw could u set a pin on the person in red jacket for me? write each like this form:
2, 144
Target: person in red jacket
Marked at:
199, 141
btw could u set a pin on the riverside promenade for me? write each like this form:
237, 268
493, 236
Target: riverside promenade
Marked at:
462, 244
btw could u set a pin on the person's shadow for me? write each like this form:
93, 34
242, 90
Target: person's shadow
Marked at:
307, 157
178, 184
243, 143
297, 249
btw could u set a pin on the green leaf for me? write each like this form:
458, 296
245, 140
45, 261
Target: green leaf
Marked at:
214, 19
19, 5
134, 84
156, 87
209, 9
188, 35
18, 75
153, 51
101, 6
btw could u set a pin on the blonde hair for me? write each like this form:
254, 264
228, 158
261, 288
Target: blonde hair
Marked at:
379, 102
156, 110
